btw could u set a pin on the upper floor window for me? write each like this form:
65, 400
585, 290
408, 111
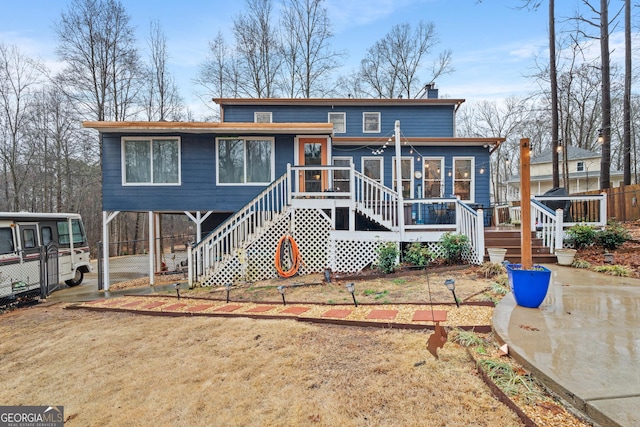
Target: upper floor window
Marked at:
580, 166
248, 160
371, 122
339, 121
149, 161
262, 117
463, 178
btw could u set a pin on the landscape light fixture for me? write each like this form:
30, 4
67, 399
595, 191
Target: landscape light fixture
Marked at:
177, 286
281, 289
451, 285
327, 275
352, 288
228, 286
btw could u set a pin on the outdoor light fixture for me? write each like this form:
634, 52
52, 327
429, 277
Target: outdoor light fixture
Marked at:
482, 170
352, 288
228, 286
177, 286
600, 136
281, 289
451, 285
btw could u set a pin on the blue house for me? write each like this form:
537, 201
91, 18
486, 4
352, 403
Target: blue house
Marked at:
321, 171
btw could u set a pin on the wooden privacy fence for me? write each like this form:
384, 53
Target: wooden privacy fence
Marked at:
623, 203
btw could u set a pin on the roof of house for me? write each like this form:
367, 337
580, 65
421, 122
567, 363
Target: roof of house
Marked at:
211, 127
337, 101
573, 153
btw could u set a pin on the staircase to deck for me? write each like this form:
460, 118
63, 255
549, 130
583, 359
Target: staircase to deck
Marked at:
509, 239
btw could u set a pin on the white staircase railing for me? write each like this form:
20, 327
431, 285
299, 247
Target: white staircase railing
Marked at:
471, 224
547, 224
238, 231
376, 201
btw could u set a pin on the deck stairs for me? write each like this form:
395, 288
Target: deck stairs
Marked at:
509, 239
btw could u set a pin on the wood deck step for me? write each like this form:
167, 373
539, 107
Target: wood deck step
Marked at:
510, 240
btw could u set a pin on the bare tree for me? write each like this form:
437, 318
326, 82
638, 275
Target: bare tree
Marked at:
161, 100
489, 119
20, 80
218, 74
97, 44
259, 50
394, 65
307, 56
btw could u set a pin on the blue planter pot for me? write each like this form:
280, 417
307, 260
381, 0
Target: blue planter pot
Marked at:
529, 287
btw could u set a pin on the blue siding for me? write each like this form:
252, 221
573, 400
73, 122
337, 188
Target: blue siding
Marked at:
482, 181
198, 190
415, 121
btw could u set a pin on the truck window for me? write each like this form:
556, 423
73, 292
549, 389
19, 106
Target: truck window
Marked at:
77, 229
47, 236
6, 241
28, 238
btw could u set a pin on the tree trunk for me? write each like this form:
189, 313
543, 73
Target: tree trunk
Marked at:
605, 162
626, 143
553, 77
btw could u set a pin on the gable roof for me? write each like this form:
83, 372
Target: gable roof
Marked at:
338, 101
573, 153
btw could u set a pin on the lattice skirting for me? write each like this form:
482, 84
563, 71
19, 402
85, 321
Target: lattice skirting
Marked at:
308, 227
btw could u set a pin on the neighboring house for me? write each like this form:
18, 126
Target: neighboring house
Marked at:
321, 170
583, 167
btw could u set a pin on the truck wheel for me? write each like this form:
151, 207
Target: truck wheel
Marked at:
77, 279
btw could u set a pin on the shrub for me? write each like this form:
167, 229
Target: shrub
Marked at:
490, 269
580, 263
612, 236
387, 257
613, 270
417, 254
581, 235
453, 246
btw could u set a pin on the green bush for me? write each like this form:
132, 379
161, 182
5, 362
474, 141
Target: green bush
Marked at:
417, 254
581, 235
387, 257
454, 245
612, 236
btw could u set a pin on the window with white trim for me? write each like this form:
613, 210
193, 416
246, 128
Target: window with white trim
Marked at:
372, 167
463, 178
580, 167
406, 178
248, 160
262, 117
371, 122
339, 121
150, 161
341, 178
432, 173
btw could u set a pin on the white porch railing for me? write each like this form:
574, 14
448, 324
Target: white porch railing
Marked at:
471, 224
238, 231
376, 201
550, 221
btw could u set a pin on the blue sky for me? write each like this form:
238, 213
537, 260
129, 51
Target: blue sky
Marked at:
494, 44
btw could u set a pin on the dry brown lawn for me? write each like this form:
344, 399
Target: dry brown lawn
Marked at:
121, 369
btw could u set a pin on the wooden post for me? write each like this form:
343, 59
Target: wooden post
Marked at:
525, 203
